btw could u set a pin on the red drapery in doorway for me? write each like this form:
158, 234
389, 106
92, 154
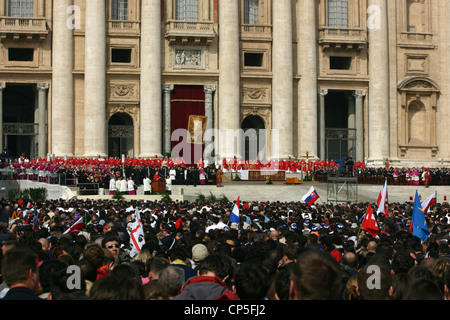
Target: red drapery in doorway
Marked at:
186, 101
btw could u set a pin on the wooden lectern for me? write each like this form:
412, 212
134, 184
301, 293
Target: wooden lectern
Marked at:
159, 186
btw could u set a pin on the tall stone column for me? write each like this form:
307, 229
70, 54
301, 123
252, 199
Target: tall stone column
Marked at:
209, 112
322, 129
359, 123
2, 87
378, 83
282, 81
307, 87
229, 78
168, 88
151, 94
62, 115
42, 111
95, 80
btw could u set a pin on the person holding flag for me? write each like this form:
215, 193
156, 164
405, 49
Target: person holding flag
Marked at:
419, 223
311, 197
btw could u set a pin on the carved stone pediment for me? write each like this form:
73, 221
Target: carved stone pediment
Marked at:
418, 84
252, 95
123, 91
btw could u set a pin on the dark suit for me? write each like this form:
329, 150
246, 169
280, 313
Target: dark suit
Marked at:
20, 293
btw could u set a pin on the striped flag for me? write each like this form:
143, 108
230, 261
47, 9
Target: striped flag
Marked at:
234, 217
430, 201
382, 200
76, 226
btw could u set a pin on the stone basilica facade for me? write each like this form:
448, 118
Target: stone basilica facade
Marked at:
367, 79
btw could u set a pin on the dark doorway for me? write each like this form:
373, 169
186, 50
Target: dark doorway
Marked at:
19, 127
254, 138
120, 135
340, 137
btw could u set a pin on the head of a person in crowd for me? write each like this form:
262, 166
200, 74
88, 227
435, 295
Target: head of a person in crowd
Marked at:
173, 279
315, 276
375, 281
199, 253
46, 270
154, 266
117, 287
217, 265
252, 282
424, 289
20, 269
112, 243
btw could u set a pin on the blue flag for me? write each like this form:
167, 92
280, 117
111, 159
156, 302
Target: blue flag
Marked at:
420, 228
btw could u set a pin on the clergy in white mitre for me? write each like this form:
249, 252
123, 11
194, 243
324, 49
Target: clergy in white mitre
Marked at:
112, 186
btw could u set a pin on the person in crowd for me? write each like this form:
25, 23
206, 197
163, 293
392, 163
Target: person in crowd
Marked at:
315, 276
20, 273
211, 282
112, 186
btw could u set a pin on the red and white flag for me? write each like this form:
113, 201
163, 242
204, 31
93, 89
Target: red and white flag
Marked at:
78, 225
431, 200
382, 200
137, 235
370, 223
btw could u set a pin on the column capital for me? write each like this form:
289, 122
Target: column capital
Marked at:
323, 92
209, 88
359, 93
2, 85
168, 87
42, 86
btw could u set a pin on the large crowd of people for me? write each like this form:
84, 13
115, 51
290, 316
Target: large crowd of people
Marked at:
192, 251
196, 251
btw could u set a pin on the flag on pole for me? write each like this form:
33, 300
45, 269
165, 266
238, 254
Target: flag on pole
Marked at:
382, 200
234, 217
77, 225
419, 224
311, 197
137, 236
431, 200
370, 223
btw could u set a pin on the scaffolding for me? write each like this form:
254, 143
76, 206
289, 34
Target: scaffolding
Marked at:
342, 189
